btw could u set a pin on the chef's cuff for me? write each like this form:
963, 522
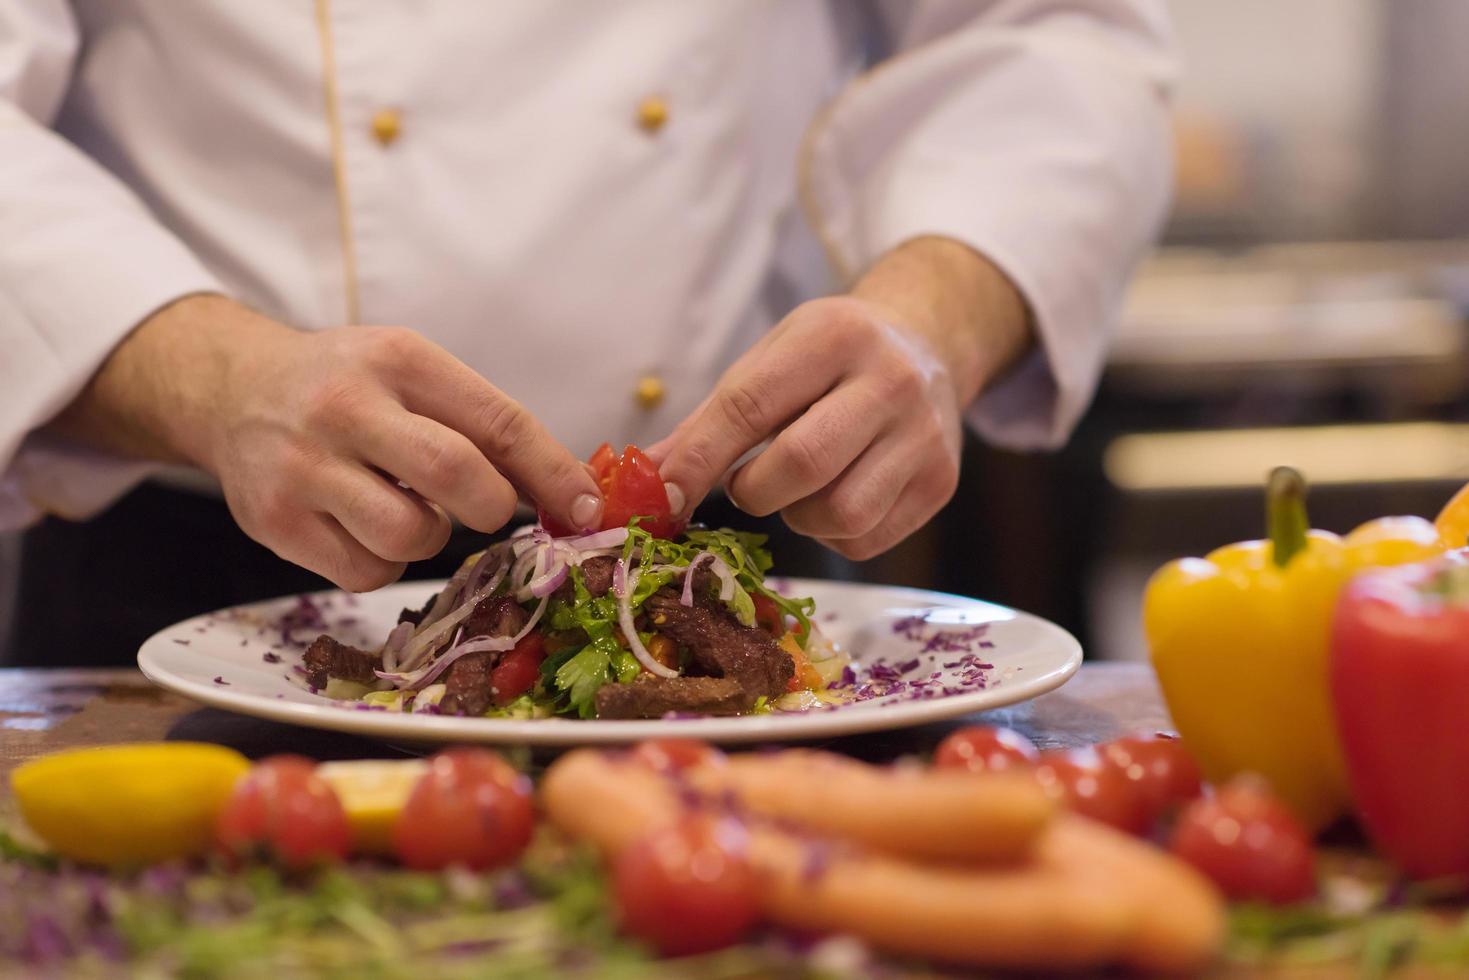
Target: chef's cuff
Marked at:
61, 340
1037, 402
53, 476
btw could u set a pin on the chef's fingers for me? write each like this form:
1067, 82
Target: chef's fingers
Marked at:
441, 465
810, 453
395, 524
919, 501
857, 502
659, 450
748, 405
320, 543
443, 388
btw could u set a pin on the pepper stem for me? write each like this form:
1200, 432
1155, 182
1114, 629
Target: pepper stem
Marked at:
1285, 513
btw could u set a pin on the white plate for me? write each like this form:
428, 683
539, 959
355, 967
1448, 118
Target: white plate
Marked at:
932, 642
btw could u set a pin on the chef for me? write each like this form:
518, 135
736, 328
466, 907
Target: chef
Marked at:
373, 266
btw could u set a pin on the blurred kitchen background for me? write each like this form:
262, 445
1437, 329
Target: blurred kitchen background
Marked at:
1308, 306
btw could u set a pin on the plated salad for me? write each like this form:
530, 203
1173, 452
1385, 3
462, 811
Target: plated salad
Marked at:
641, 619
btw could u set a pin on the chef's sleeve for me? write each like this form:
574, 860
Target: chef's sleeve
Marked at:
82, 262
1034, 131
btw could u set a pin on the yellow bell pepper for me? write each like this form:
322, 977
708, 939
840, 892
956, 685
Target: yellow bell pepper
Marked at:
1239, 641
1453, 521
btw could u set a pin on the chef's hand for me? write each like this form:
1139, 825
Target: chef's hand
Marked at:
860, 397
311, 433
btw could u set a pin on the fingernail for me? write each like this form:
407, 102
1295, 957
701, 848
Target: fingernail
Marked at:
586, 510
676, 499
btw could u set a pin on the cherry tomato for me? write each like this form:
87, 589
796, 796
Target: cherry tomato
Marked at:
636, 488
675, 754
687, 889
471, 808
283, 809
1088, 786
601, 461
517, 671
984, 748
1249, 843
1162, 772
631, 487
769, 616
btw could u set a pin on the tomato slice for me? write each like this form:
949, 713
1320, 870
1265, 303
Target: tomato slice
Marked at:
768, 615
635, 489
517, 671
602, 462
631, 487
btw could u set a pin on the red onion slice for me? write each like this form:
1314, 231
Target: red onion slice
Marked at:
421, 646
624, 585
687, 599
544, 569
614, 538
476, 575
475, 644
583, 557
426, 675
727, 583
396, 639
550, 582
448, 596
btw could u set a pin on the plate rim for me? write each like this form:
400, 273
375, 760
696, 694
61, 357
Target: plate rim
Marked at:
563, 732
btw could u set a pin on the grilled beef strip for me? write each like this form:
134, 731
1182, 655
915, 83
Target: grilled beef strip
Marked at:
468, 690
326, 658
596, 573
719, 644
654, 697
496, 616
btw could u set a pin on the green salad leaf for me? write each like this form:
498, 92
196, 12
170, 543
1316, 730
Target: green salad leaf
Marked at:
582, 676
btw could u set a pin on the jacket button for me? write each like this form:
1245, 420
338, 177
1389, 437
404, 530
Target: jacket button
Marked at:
387, 125
652, 114
649, 392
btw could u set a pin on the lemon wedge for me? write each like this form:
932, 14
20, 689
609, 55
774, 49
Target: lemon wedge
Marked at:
128, 805
372, 792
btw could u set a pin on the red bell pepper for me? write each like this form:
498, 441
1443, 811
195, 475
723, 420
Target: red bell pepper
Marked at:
1400, 688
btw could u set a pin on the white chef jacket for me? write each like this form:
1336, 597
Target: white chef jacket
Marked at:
585, 202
